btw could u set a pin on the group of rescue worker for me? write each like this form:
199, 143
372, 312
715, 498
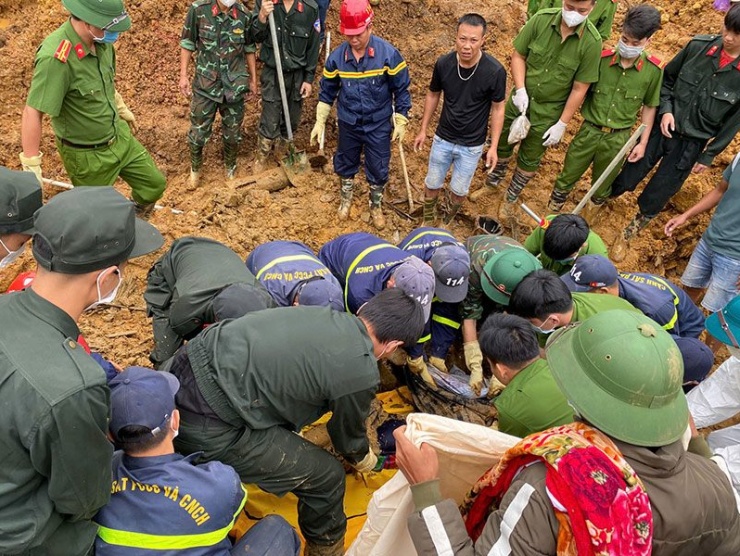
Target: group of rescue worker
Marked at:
587, 364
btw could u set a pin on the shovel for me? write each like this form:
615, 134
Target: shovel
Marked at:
319, 160
294, 157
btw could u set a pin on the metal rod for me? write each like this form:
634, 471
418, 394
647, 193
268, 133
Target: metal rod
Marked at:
533, 215
281, 79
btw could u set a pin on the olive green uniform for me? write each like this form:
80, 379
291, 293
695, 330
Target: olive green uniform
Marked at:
221, 41
532, 402
609, 113
553, 65
602, 16
534, 242
481, 248
76, 87
180, 288
55, 458
298, 40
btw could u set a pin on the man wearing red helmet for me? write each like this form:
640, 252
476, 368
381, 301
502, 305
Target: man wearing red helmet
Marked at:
371, 80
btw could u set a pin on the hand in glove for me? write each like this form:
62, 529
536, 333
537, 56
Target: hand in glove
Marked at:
439, 364
495, 387
367, 463
322, 114
399, 127
32, 164
553, 135
521, 100
474, 363
124, 112
419, 367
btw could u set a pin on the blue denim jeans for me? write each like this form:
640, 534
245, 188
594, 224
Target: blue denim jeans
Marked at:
272, 536
464, 162
714, 271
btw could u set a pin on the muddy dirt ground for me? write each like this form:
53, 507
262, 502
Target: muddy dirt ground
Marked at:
148, 71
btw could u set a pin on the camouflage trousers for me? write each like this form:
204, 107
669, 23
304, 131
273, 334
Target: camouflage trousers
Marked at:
272, 121
203, 113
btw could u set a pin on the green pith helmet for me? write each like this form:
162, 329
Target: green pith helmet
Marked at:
504, 271
623, 373
104, 14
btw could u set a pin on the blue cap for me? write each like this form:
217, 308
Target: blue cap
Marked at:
142, 397
320, 292
451, 266
725, 324
697, 358
416, 279
589, 272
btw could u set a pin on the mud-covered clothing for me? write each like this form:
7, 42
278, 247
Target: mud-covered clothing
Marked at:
272, 119
75, 86
181, 286
189, 508
282, 266
694, 510
468, 96
532, 402
444, 326
481, 248
54, 406
602, 16
363, 264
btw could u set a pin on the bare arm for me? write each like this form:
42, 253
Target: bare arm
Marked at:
431, 101
184, 64
519, 69
252, 69
31, 131
575, 99
708, 202
469, 331
648, 119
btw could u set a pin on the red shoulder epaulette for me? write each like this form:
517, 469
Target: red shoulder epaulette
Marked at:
214, 10
299, 7
657, 61
608, 52
62, 52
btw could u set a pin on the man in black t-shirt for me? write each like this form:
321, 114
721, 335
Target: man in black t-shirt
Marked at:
474, 86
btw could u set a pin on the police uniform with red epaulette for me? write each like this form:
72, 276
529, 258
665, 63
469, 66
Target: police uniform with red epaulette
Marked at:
610, 111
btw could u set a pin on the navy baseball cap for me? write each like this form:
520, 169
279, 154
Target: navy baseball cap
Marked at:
142, 397
451, 266
725, 324
589, 272
416, 279
319, 291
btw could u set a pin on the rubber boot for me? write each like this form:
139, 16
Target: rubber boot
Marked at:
492, 180
621, 245
557, 200
143, 210
345, 193
230, 151
452, 209
264, 148
591, 209
430, 211
639, 222
376, 210
196, 163
313, 549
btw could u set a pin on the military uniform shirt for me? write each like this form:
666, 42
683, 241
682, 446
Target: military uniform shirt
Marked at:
586, 305
602, 16
532, 402
298, 36
553, 64
615, 100
481, 248
534, 242
221, 41
76, 87
702, 97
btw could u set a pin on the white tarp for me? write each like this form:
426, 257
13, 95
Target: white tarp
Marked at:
465, 452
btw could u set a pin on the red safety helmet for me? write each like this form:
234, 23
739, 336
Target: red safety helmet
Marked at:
22, 281
354, 16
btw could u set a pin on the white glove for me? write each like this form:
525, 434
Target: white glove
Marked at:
367, 463
32, 164
474, 363
322, 114
553, 135
124, 112
521, 100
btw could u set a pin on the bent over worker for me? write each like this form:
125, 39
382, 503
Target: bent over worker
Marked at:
197, 282
74, 82
248, 385
20, 197
371, 81
293, 275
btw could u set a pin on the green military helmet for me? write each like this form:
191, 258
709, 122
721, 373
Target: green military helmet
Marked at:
623, 373
504, 271
109, 15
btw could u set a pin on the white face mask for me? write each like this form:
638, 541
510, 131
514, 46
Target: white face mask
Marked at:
734, 352
228, 3
175, 432
629, 52
108, 298
573, 19
10, 258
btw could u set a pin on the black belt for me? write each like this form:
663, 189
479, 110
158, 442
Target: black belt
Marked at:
605, 129
107, 143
